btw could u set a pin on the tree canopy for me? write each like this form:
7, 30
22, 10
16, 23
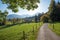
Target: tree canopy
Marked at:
25, 4
52, 6
54, 11
45, 18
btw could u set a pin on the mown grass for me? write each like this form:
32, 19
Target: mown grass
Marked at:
16, 32
56, 28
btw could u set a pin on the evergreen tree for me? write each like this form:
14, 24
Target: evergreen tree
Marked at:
39, 15
52, 9
36, 19
57, 12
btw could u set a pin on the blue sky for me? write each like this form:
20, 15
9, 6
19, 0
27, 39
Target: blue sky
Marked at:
42, 7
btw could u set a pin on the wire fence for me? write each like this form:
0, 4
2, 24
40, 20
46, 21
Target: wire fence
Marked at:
26, 35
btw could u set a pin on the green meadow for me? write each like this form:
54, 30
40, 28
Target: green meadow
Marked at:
16, 32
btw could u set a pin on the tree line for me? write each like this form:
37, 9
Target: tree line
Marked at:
53, 14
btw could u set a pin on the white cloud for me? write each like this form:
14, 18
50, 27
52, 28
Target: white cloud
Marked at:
42, 7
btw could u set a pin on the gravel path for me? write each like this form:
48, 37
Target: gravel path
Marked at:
46, 34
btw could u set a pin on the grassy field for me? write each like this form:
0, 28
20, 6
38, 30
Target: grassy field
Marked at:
56, 28
16, 32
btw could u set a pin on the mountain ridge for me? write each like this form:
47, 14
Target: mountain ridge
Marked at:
11, 16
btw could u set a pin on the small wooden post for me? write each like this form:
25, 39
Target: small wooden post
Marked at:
23, 35
36, 27
53, 25
33, 30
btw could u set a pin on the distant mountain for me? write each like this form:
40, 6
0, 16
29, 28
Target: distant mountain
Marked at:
11, 16
29, 18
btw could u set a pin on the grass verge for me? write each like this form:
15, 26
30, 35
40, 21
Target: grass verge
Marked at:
56, 28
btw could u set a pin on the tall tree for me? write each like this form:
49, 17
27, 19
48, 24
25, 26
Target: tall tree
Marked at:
36, 19
5, 13
57, 12
3, 17
52, 10
52, 6
27, 4
39, 15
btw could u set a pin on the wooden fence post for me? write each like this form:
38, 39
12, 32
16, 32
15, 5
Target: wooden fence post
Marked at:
23, 35
53, 25
33, 30
36, 27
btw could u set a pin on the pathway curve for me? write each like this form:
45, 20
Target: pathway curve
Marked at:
46, 34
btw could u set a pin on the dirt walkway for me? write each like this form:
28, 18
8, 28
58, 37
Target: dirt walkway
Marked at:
46, 34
